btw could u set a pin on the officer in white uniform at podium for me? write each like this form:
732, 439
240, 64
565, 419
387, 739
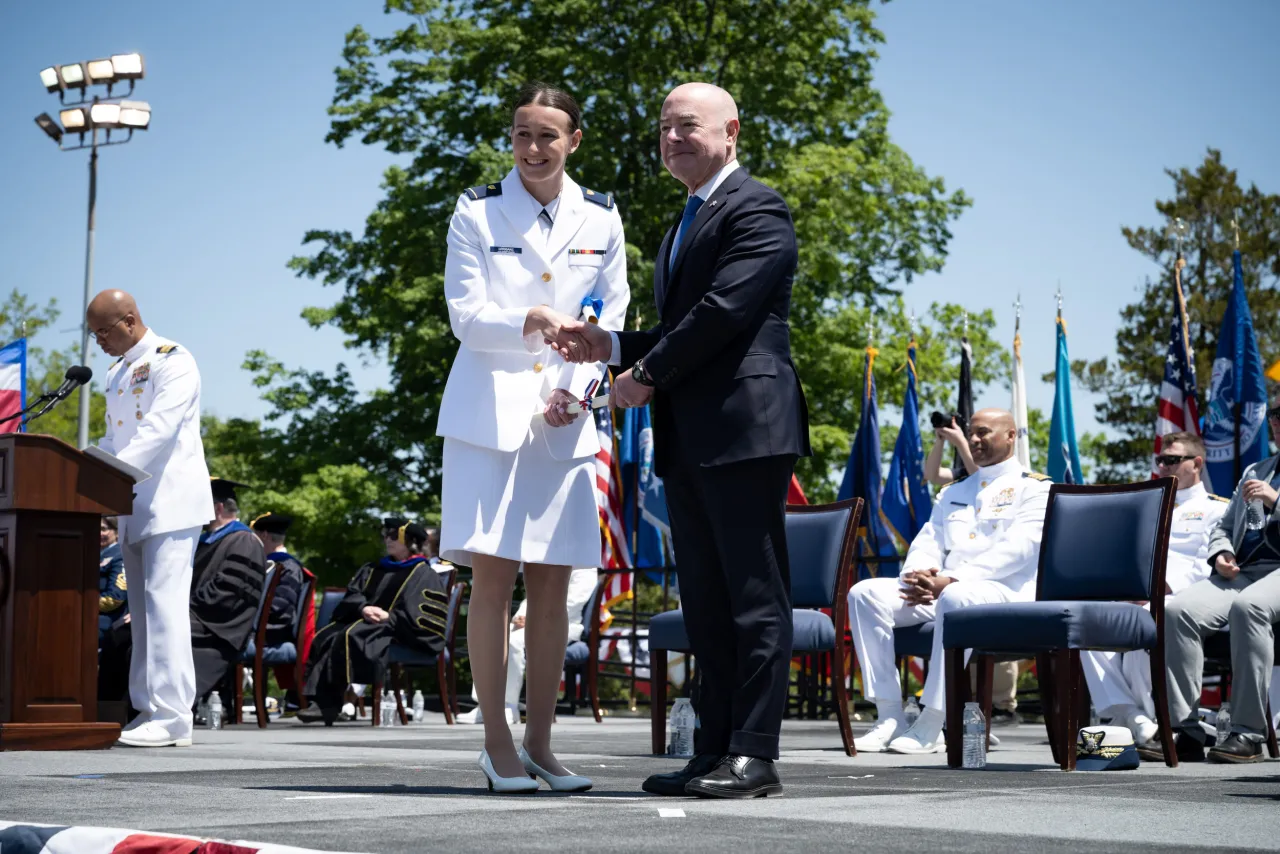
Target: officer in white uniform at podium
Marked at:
153, 423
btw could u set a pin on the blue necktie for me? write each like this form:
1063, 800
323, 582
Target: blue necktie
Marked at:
690, 211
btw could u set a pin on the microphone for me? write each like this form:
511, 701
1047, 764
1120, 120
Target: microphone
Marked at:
76, 376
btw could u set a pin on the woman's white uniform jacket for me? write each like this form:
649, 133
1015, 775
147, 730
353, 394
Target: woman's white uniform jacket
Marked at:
500, 265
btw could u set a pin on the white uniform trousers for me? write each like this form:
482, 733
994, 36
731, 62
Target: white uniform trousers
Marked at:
876, 607
1118, 680
515, 668
162, 674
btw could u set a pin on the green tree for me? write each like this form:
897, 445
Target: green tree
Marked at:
1208, 199
868, 219
19, 317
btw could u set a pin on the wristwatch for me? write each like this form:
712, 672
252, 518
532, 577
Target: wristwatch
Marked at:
639, 374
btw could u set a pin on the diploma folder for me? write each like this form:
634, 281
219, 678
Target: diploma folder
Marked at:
136, 474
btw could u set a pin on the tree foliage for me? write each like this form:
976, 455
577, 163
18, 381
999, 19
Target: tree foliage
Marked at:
1208, 199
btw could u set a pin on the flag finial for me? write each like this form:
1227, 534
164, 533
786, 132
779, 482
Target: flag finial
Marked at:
1235, 226
964, 319
1017, 312
1058, 297
871, 329
1178, 230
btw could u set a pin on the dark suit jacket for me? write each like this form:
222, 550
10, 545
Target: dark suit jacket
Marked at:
720, 356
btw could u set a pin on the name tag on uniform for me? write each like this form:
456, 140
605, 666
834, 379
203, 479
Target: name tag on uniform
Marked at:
1192, 516
506, 250
140, 374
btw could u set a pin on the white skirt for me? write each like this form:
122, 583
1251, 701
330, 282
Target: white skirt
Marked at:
523, 505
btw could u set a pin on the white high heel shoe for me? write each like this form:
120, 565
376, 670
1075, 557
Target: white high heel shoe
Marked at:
567, 783
505, 785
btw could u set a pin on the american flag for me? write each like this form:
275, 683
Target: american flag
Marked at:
613, 537
1176, 409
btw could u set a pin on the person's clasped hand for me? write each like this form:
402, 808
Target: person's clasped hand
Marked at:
374, 614
561, 409
579, 341
1226, 566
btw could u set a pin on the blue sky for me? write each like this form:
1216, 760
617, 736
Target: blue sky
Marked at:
1057, 118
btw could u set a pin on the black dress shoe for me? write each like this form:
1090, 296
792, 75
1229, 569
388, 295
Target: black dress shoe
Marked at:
673, 782
738, 777
1186, 747
1236, 749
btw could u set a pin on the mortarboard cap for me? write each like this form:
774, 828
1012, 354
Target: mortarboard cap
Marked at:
272, 523
224, 489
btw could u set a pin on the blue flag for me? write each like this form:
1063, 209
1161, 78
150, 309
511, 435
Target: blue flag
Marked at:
644, 505
862, 480
906, 502
1064, 456
1237, 395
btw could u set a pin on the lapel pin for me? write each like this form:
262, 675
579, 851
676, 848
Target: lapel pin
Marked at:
713, 204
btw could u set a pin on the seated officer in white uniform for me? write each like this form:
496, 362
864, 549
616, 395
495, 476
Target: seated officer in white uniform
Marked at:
1121, 685
153, 423
980, 546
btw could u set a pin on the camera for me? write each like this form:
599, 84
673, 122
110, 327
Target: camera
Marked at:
938, 420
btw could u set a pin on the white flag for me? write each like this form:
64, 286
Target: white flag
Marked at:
1022, 448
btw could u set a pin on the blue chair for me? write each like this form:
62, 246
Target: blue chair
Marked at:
401, 658
279, 655
582, 660
820, 539
1103, 549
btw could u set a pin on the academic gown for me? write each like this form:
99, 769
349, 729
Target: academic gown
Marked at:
226, 586
350, 649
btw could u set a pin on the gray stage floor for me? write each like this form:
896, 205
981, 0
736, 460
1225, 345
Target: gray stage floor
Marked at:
416, 788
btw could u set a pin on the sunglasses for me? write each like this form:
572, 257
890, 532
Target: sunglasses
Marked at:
1171, 459
1274, 413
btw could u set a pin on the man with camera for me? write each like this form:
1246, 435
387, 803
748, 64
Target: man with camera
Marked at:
949, 430
980, 546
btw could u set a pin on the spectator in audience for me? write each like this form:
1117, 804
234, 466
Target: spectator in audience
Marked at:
432, 552
582, 583
1242, 595
1121, 685
113, 600
226, 586
399, 598
980, 545
284, 617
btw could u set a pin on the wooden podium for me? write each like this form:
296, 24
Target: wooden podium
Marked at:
51, 498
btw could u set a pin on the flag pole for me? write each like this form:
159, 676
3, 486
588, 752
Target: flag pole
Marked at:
1238, 407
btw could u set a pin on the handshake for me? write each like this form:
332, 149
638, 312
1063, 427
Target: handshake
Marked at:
577, 341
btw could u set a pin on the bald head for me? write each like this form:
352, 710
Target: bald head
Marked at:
115, 322
699, 127
992, 436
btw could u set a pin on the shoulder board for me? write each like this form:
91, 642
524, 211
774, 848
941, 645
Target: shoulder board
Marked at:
484, 191
116, 362
1219, 498
960, 479
604, 200
167, 349
1035, 475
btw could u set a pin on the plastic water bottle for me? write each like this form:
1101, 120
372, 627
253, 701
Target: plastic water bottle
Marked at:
419, 707
1093, 716
911, 711
388, 708
1224, 723
215, 711
975, 737
1255, 517
681, 728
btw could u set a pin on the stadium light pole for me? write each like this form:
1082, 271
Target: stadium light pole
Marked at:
89, 115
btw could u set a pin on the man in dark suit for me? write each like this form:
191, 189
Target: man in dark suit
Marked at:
729, 423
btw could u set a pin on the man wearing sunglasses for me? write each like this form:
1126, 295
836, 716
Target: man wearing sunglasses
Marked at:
1121, 685
1242, 596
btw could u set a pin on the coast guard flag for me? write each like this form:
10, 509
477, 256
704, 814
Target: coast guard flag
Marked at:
906, 503
644, 504
862, 480
1064, 456
1237, 395
13, 382
1022, 445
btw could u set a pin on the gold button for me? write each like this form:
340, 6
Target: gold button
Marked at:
119, 423
546, 277
973, 536
138, 414
120, 391
537, 367
984, 483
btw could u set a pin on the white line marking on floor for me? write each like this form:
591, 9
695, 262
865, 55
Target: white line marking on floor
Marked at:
611, 798
667, 812
324, 797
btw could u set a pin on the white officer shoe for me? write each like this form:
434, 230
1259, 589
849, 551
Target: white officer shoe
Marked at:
924, 736
152, 735
877, 740
1143, 728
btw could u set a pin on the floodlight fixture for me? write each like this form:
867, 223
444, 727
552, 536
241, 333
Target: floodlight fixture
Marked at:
105, 115
135, 115
49, 77
75, 120
49, 126
72, 75
101, 71
128, 66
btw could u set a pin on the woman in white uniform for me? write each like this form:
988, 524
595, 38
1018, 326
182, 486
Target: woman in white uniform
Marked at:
519, 461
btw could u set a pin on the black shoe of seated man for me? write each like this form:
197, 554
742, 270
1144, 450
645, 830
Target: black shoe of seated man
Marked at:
738, 777
1236, 749
314, 713
673, 782
1186, 747
1005, 717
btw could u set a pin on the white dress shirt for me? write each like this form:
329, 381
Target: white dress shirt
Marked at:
1195, 513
